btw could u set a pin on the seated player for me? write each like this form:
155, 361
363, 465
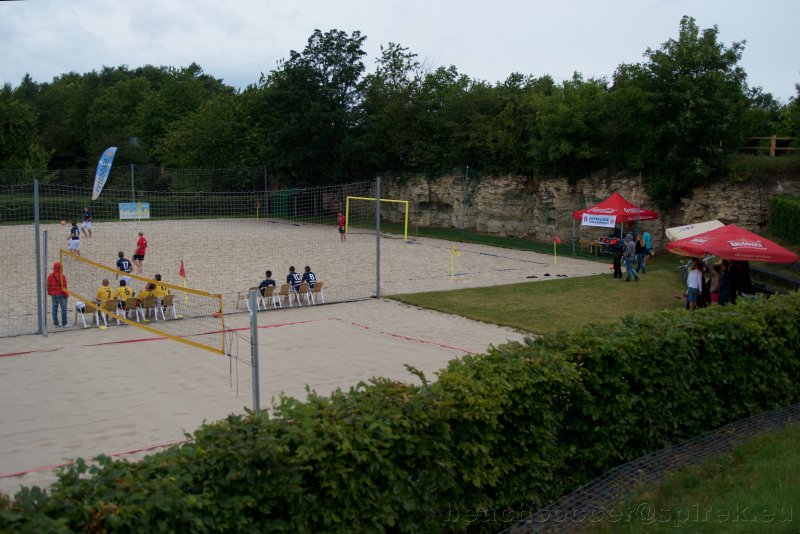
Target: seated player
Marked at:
161, 289
293, 279
309, 277
104, 293
124, 293
149, 291
266, 282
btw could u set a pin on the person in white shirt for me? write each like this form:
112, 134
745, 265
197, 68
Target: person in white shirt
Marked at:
694, 284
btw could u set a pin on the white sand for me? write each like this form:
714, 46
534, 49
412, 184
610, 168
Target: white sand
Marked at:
76, 395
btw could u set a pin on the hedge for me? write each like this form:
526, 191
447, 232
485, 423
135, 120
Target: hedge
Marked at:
785, 217
494, 438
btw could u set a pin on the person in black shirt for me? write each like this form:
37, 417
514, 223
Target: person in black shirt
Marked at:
267, 282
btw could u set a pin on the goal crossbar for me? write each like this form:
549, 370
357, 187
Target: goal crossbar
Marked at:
347, 211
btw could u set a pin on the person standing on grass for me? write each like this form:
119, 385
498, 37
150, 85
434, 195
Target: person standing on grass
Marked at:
617, 249
694, 284
641, 252
87, 222
138, 255
629, 254
341, 223
74, 243
57, 289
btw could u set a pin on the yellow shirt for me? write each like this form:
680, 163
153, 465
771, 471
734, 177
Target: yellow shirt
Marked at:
161, 290
124, 293
104, 293
144, 293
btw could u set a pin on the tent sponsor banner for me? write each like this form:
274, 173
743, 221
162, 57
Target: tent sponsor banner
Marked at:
608, 221
732, 243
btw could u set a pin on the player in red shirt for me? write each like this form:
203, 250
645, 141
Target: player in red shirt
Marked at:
138, 255
341, 227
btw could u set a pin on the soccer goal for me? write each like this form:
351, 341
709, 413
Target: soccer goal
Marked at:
355, 215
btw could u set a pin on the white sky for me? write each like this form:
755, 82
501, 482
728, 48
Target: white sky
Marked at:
237, 40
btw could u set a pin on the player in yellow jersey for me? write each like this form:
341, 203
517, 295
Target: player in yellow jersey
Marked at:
124, 293
104, 293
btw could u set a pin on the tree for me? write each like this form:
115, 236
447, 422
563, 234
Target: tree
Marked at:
309, 107
19, 139
219, 135
696, 102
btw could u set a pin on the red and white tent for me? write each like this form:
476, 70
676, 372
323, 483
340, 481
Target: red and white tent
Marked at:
615, 209
732, 243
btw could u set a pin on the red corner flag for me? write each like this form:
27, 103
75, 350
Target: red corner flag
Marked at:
182, 272
556, 239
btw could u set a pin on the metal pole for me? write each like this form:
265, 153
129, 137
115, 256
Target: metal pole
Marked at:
133, 186
254, 349
377, 237
44, 281
39, 311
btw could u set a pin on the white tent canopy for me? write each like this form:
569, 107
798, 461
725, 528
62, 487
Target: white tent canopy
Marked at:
681, 232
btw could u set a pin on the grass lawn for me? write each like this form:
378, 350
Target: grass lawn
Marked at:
562, 303
756, 488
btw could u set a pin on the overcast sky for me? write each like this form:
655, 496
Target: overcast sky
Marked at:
237, 40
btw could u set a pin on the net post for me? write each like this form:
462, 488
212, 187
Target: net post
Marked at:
39, 299
254, 349
378, 237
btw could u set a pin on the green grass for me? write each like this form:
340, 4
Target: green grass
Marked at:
544, 307
755, 488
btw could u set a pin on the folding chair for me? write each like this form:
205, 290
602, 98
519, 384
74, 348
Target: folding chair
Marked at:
285, 291
270, 295
107, 306
295, 293
148, 308
317, 293
80, 309
132, 306
245, 295
168, 303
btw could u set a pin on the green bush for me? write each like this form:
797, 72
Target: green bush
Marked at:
494, 438
785, 217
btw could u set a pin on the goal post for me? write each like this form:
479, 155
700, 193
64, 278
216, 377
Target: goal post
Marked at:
372, 199
195, 318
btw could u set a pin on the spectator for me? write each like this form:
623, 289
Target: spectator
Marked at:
617, 248
641, 252
725, 284
694, 283
716, 279
628, 255
57, 289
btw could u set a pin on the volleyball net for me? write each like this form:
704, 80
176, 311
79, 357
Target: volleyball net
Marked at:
105, 296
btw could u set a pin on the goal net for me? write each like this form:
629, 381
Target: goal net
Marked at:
182, 314
360, 213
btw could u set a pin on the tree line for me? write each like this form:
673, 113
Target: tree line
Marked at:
319, 117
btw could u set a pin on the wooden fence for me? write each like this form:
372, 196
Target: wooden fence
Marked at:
774, 147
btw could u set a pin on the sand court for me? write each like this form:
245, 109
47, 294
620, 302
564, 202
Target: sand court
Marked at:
122, 391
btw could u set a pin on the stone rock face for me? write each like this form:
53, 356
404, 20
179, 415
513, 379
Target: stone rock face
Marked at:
524, 207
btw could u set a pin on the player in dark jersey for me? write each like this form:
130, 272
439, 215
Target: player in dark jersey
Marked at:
124, 265
74, 243
309, 277
87, 222
265, 283
293, 279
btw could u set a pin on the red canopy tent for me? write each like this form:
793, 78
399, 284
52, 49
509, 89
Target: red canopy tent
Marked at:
612, 211
616, 205
732, 243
